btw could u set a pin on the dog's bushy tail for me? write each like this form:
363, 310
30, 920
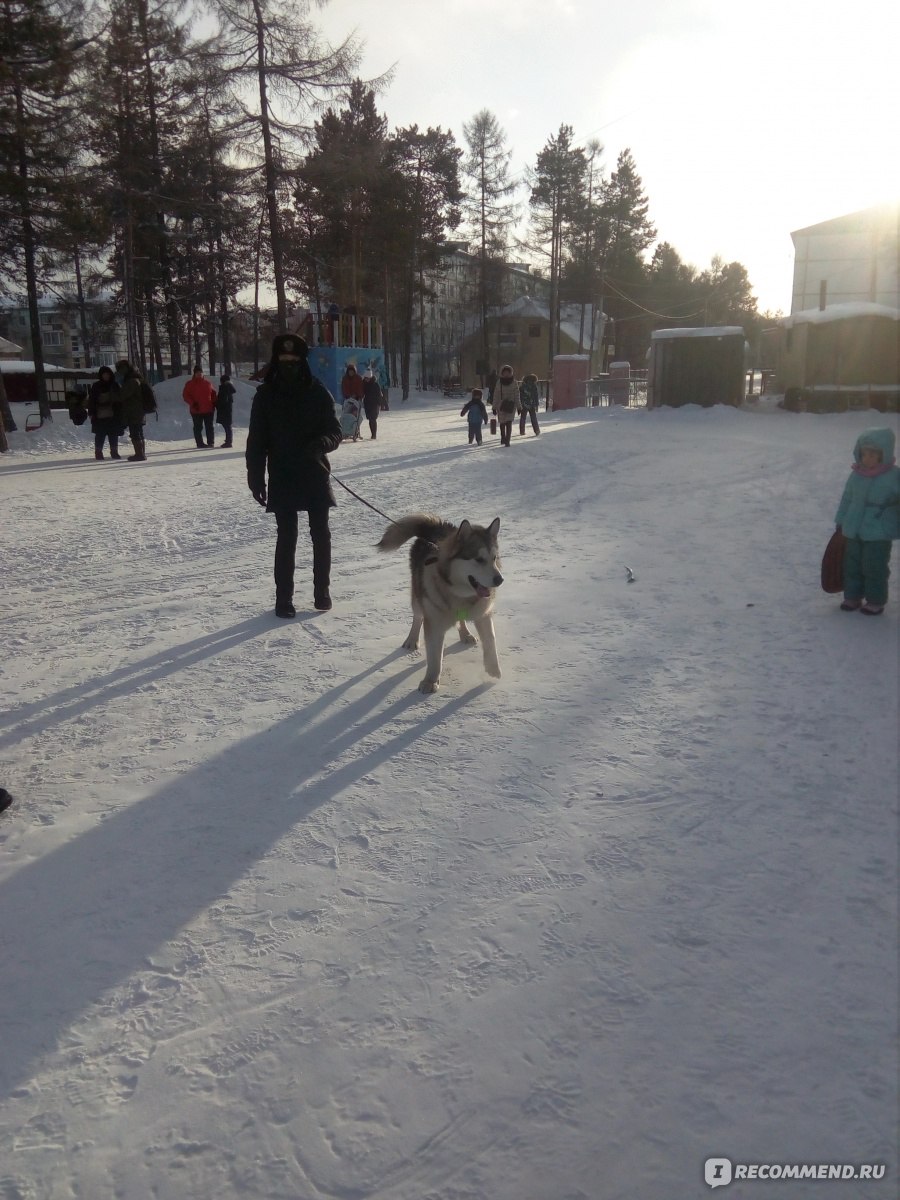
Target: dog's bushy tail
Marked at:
422, 525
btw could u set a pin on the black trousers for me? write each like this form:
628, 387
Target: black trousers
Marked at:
203, 422
286, 551
534, 420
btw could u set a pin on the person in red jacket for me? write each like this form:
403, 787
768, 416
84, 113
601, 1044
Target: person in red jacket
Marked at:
200, 397
352, 384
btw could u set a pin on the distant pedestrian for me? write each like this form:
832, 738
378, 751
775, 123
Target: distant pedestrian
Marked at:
490, 384
200, 397
529, 399
104, 407
352, 384
372, 401
129, 381
869, 518
475, 410
506, 403
293, 428
225, 407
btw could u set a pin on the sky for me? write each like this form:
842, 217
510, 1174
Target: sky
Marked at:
745, 121
277, 926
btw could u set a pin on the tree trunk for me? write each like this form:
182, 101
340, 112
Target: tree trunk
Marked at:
172, 321
28, 246
6, 417
82, 309
155, 347
270, 171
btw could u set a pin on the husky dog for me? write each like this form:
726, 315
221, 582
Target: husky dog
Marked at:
454, 574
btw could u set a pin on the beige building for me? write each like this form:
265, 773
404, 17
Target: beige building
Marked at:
451, 316
520, 335
848, 260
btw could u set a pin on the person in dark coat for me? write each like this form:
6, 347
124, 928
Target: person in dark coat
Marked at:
225, 408
105, 410
529, 399
372, 400
293, 427
490, 384
129, 382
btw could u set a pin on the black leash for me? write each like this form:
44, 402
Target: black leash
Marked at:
390, 520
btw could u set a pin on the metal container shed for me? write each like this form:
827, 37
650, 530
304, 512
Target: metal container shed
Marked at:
696, 366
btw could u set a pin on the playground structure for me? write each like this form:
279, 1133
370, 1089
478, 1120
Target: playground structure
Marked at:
339, 340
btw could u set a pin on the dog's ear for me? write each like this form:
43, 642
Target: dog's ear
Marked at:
494, 529
464, 530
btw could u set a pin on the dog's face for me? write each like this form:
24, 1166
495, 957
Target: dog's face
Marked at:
475, 559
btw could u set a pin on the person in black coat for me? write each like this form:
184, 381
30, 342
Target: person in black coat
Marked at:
372, 398
105, 410
293, 427
225, 408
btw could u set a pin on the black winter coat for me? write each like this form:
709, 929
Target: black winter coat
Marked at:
292, 429
371, 398
225, 403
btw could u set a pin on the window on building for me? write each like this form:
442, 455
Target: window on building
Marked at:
534, 331
508, 339
51, 337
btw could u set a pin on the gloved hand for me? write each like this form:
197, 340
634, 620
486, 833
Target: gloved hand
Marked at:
259, 494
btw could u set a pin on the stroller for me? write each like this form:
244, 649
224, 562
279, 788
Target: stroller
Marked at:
351, 418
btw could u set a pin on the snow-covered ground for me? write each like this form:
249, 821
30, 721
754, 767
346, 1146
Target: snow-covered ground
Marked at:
276, 925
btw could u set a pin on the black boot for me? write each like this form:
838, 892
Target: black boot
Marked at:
321, 536
139, 451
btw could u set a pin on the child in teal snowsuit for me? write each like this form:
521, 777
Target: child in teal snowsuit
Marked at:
869, 517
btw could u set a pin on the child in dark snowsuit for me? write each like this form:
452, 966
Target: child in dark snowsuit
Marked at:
475, 410
869, 517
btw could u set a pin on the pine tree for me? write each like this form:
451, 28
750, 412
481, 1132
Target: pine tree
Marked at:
557, 195
338, 185
37, 59
274, 48
487, 206
426, 170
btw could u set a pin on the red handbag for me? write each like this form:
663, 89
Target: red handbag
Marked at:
833, 563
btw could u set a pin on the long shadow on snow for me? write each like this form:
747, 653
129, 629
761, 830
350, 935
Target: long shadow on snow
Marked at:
74, 701
83, 917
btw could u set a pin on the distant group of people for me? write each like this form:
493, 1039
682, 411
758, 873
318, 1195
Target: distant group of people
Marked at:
117, 401
368, 391
120, 399
507, 399
205, 403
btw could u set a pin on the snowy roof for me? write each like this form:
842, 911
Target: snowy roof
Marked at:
7, 347
839, 312
706, 331
880, 215
21, 366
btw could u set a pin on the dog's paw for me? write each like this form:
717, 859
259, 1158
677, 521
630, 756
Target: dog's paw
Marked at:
493, 669
427, 686
408, 645
468, 637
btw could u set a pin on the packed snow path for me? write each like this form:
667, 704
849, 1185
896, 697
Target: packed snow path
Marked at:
275, 925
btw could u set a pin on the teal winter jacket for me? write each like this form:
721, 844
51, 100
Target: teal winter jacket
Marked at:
870, 506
